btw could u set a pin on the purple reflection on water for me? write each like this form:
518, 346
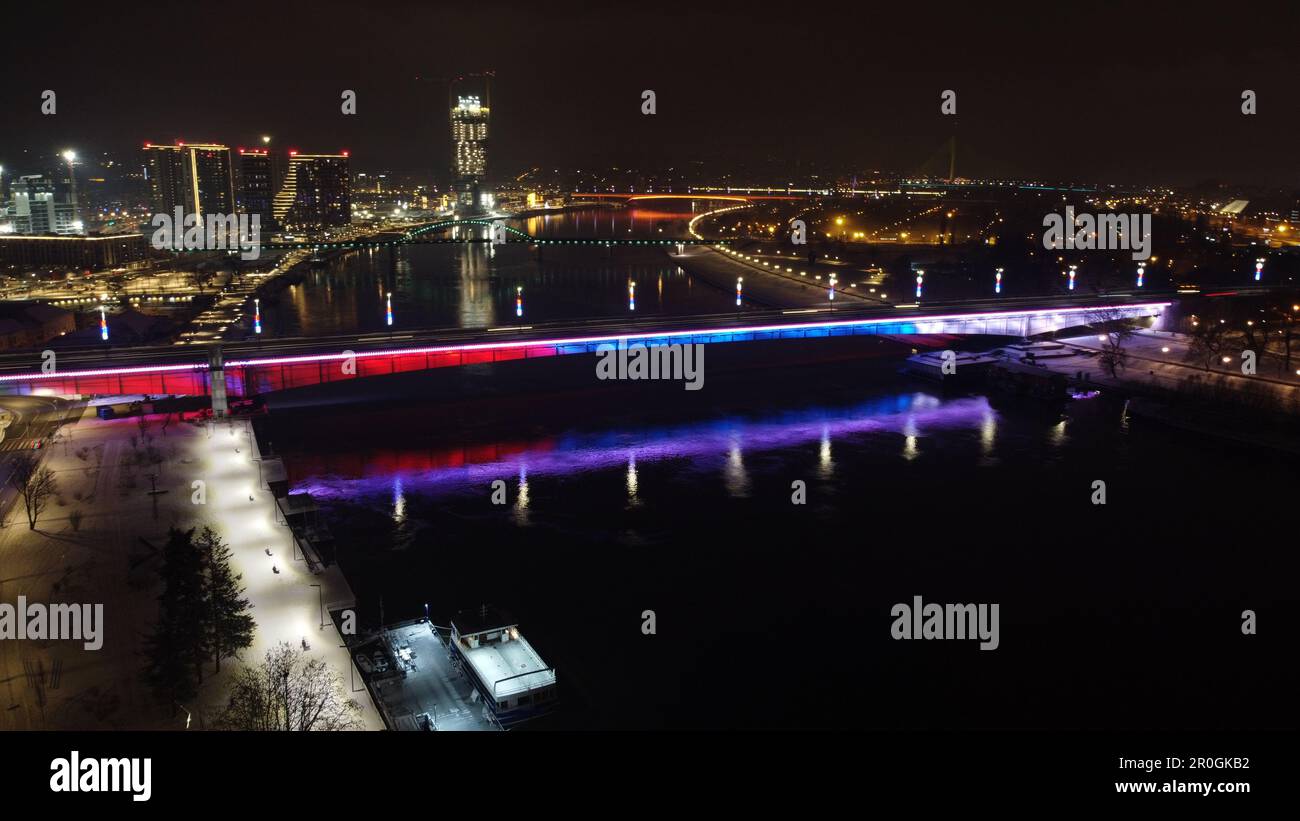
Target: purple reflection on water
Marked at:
911, 414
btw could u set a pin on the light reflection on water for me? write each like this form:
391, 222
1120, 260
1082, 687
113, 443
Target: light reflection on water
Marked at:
475, 285
722, 444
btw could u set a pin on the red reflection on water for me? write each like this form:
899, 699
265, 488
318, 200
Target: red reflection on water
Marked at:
389, 461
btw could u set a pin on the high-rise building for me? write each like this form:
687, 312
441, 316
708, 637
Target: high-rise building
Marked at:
164, 171
36, 208
317, 192
470, 110
257, 183
195, 177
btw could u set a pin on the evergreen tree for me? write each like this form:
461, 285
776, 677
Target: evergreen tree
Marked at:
180, 641
229, 625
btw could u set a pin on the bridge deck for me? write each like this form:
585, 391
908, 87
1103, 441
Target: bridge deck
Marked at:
253, 367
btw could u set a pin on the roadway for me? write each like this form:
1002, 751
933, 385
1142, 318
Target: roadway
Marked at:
34, 419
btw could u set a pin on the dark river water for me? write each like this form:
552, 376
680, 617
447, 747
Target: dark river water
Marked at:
775, 614
477, 285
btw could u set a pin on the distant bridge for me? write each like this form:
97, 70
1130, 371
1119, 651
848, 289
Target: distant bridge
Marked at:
421, 236
728, 196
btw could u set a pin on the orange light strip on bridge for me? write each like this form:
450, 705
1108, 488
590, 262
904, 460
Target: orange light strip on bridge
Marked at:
728, 197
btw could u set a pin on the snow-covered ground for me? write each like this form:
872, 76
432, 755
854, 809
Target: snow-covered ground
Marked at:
1160, 358
105, 561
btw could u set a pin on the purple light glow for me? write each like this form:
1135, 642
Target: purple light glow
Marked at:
905, 414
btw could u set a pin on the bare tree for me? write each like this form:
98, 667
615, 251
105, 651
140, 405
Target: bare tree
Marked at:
1208, 337
289, 692
35, 483
1118, 329
1287, 324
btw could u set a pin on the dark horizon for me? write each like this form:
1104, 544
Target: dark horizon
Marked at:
1126, 96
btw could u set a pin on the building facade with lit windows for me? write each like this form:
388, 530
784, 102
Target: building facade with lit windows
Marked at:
88, 252
316, 194
257, 183
38, 207
195, 177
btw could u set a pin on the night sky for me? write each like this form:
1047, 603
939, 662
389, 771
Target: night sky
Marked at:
1124, 92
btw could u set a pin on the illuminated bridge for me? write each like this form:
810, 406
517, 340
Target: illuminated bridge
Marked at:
728, 195
425, 235
251, 369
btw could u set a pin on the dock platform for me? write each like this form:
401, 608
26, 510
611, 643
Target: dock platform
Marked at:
416, 683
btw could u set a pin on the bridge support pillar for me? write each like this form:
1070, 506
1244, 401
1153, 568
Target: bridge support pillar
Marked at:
217, 381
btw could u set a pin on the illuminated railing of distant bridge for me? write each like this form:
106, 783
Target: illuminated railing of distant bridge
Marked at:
420, 236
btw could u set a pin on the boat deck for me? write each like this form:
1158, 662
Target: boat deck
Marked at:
496, 661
